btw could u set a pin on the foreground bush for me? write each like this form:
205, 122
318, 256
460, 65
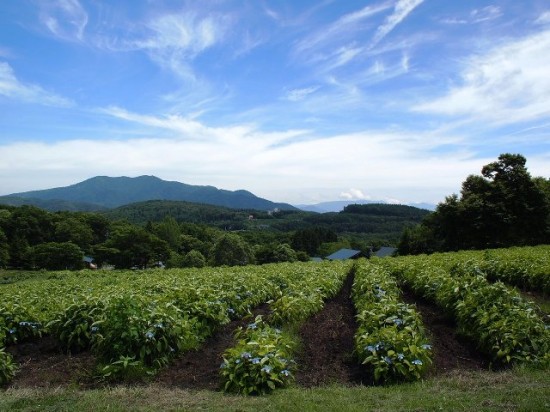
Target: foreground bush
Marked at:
260, 361
390, 339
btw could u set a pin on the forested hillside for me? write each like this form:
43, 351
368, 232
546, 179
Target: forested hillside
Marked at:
182, 234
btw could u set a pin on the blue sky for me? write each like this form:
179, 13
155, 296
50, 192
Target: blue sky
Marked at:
296, 101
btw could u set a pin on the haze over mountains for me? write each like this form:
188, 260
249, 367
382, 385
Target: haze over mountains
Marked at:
102, 192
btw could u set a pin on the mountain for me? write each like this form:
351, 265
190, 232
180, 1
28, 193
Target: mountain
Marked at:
339, 205
110, 192
51, 205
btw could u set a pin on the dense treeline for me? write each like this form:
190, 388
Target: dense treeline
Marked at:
375, 223
503, 207
33, 238
182, 234
381, 209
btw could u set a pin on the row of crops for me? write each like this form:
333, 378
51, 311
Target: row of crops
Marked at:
137, 322
262, 359
468, 287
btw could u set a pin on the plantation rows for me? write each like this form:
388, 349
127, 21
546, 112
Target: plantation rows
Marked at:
136, 322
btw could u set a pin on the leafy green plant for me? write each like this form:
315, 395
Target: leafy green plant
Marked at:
260, 361
18, 324
8, 368
73, 327
133, 329
503, 325
295, 307
305, 292
126, 368
390, 339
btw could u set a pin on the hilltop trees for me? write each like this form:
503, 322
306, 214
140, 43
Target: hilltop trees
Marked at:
231, 250
503, 207
57, 256
130, 245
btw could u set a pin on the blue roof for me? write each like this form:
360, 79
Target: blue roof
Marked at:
88, 259
344, 254
385, 251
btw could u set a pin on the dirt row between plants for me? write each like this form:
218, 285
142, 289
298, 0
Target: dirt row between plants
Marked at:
451, 352
328, 343
325, 356
327, 340
200, 369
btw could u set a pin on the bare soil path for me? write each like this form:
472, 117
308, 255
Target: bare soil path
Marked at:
328, 341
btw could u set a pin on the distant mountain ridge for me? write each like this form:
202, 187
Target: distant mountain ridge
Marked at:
339, 205
110, 192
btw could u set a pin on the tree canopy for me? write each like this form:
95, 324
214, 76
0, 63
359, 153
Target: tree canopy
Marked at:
503, 207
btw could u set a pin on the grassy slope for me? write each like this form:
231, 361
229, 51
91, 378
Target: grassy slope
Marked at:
518, 389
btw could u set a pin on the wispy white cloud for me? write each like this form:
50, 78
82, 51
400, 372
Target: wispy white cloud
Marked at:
243, 156
544, 18
174, 40
343, 56
295, 95
485, 14
12, 88
272, 14
66, 19
505, 85
475, 16
186, 32
401, 10
313, 46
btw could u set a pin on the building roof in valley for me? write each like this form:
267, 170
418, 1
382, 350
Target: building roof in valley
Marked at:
385, 251
343, 254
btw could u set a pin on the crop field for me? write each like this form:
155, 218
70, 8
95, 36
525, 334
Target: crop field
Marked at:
378, 327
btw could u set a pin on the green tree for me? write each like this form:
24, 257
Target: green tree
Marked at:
4, 250
33, 224
130, 246
231, 250
308, 240
189, 243
57, 256
19, 251
100, 226
194, 259
524, 207
72, 229
503, 207
273, 253
169, 231
416, 240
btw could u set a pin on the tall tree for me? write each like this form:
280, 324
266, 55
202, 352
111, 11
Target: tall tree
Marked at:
4, 250
231, 250
169, 231
130, 245
57, 256
503, 207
